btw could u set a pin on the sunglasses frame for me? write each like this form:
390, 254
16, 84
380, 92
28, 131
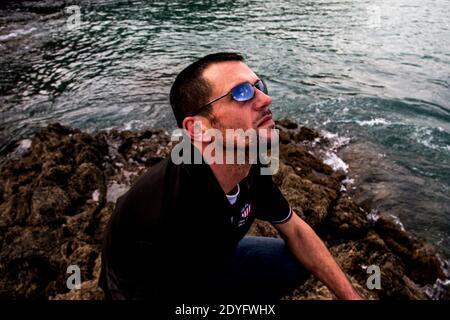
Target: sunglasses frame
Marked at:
229, 92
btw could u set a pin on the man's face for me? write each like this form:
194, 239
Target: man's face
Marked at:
231, 114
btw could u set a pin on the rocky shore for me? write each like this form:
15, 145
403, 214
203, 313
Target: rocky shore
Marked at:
58, 189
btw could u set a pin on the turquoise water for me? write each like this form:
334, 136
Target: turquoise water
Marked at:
373, 71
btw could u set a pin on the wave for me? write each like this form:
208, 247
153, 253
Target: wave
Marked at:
17, 33
429, 137
373, 122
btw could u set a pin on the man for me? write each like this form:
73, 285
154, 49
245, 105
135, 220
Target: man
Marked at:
178, 233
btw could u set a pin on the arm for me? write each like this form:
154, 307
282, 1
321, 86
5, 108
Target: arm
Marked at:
313, 254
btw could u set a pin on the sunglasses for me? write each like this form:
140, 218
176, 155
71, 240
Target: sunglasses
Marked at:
242, 92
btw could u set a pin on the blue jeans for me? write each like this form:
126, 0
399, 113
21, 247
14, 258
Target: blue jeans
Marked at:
260, 269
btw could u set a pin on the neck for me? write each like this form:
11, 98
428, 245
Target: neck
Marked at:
229, 175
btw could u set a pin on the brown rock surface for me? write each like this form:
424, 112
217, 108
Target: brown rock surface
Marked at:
57, 195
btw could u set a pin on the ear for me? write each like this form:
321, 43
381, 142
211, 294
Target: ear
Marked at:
196, 127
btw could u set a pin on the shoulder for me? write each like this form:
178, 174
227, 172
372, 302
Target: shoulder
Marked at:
152, 179
160, 186
257, 179
157, 182
140, 213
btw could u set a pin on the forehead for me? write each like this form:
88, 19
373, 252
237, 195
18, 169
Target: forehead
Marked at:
224, 75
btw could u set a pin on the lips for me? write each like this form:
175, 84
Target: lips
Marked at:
266, 120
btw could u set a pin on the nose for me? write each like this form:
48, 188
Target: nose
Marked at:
262, 100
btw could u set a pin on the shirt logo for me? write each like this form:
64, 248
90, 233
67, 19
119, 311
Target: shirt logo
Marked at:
245, 212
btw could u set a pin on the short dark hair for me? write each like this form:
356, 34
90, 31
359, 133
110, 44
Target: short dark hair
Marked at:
190, 91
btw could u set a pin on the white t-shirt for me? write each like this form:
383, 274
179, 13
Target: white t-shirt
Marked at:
233, 198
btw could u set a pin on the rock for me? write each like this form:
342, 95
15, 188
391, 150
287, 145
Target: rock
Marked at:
398, 240
374, 242
78, 224
305, 134
309, 200
56, 197
302, 161
55, 175
48, 204
312, 289
283, 172
7, 213
396, 285
84, 257
99, 223
285, 137
352, 259
422, 259
28, 262
35, 221
89, 289
355, 258
1, 192
86, 179
287, 124
146, 147
424, 265
347, 219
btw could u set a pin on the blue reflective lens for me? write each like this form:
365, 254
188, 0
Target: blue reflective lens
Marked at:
243, 92
246, 91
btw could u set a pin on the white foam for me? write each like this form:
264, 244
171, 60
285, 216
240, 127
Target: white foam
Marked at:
336, 140
438, 290
373, 122
424, 136
398, 222
329, 156
315, 142
133, 125
373, 216
335, 162
348, 181
25, 144
17, 33
427, 142
96, 195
